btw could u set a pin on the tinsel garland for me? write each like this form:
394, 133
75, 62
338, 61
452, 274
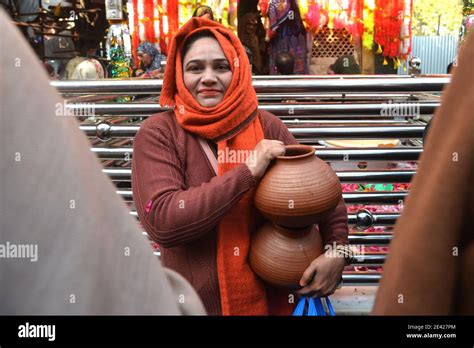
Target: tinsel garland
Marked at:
120, 66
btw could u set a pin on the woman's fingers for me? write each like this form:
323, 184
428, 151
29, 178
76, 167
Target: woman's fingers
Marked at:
312, 290
265, 151
308, 274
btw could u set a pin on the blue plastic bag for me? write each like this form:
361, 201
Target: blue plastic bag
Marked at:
315, 307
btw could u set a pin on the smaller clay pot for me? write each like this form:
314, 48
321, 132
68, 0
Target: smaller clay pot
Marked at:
280, 255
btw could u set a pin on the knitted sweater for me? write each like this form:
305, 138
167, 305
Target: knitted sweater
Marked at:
180, 201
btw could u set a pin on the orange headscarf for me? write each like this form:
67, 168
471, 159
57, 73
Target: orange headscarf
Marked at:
232, 124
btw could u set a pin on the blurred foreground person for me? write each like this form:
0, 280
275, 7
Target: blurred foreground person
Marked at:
430, 269
68, 244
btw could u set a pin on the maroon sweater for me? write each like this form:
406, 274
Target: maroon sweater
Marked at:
180, 201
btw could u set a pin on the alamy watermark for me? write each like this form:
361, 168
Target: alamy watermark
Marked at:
28, 330
19, 251
353, 251
391, 109
75, 109
237, 156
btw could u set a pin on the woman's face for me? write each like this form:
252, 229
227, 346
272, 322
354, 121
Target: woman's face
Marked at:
145, 59
206, 72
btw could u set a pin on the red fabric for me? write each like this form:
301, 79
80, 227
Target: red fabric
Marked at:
163, 46
148, 21
173, 19
136, 34
232, 124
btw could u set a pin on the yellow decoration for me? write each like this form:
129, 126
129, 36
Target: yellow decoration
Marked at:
385, 61
379, 49
303, 6
161, 11
368, 20
397, 63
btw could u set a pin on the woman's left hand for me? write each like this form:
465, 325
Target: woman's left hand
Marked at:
322, 276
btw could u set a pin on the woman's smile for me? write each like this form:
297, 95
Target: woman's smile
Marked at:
207, 92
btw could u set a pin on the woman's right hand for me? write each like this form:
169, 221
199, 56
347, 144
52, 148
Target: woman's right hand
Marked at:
262, 155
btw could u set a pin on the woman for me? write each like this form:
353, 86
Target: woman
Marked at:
204, 12
150, 60
203, 219
288, 34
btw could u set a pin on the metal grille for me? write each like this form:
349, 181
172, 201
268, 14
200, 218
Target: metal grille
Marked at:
332, 43
435, 52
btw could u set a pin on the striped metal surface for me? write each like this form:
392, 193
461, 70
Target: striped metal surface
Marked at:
436, 52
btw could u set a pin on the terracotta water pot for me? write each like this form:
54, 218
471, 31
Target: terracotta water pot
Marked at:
298, 188
280, 255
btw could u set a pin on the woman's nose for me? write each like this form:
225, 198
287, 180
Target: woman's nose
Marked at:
208, 76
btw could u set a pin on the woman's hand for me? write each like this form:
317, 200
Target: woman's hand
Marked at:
322, 276
264, 152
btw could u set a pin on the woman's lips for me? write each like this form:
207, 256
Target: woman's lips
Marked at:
209, 92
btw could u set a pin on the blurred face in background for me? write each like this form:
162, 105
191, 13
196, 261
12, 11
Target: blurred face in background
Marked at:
145, 59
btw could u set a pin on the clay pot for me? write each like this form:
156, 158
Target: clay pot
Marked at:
280, 256
298, 188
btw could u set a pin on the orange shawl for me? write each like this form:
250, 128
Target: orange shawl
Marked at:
231, 124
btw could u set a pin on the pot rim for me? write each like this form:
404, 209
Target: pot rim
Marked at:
310, 152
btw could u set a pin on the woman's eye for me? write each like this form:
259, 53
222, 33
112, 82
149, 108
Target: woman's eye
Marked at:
223, 67
194, 68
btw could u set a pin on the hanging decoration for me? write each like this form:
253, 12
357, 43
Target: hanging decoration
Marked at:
392, 20
132, 9
388, 20
405, 33
156, 21
338, 15
368, 16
